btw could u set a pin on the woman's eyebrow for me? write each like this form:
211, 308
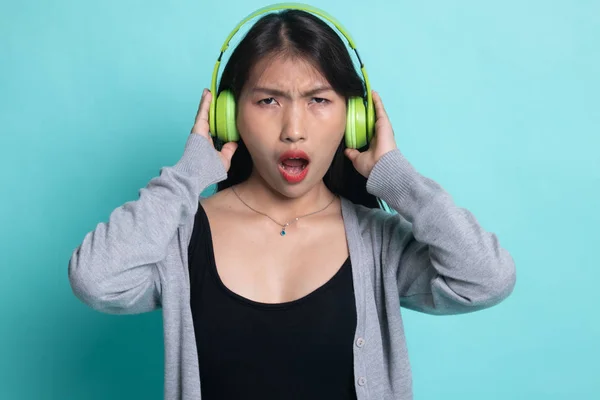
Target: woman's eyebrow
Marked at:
277, 92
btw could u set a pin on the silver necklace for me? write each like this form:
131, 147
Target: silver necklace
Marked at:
283, 226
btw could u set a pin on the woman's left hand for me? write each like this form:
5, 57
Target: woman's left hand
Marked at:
383, 141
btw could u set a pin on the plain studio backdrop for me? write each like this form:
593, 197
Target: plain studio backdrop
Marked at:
498, 101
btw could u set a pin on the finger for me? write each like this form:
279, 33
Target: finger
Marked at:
200, 104
228, 149
379, 109
204, 106
352, 154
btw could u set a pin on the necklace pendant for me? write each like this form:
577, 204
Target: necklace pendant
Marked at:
282, 233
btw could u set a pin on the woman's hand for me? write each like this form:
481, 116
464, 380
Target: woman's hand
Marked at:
383, 141
201, 128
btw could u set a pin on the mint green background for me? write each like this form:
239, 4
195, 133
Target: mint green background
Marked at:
497, 101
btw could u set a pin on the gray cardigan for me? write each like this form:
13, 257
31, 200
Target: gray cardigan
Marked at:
431, 256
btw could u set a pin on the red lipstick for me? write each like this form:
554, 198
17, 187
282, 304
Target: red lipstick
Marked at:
293, 165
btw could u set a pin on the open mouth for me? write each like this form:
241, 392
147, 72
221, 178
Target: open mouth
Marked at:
294, 166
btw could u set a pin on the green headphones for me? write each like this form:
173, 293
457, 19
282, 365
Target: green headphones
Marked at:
360, 116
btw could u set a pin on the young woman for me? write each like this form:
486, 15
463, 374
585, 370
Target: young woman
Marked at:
288, 282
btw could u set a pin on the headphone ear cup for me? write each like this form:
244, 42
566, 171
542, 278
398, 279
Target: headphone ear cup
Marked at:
356, 123
370, 119
226, 128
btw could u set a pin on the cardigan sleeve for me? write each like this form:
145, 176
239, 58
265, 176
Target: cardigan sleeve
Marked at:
444, 261
114, 269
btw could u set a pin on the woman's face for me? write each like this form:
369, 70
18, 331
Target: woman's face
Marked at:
287, 105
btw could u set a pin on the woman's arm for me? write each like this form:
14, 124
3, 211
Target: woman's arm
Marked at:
446, 262
114, 269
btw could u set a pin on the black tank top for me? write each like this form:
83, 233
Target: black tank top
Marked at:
248, 350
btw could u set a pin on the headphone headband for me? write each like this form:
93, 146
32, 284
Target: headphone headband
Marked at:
276, 7
289, 6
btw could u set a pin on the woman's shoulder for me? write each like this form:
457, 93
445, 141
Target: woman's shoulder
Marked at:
214, 200
364, 213
371, 219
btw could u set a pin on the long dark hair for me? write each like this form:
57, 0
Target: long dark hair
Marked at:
298, 33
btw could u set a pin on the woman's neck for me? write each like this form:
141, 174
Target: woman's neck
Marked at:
260, 196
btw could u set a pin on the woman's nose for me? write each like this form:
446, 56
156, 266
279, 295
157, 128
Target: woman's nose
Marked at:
293, 128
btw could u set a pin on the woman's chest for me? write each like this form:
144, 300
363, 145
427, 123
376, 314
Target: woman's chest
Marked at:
266, 267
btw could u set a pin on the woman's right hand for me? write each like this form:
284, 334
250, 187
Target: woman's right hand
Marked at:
201, 127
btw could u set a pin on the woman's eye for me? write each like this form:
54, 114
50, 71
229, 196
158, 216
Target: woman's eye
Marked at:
267, 101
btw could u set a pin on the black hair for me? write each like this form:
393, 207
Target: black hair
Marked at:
298, 33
